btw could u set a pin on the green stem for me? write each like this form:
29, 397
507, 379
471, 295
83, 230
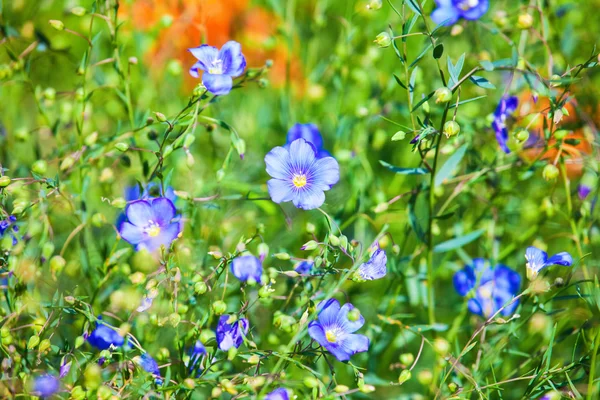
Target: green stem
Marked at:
590, 393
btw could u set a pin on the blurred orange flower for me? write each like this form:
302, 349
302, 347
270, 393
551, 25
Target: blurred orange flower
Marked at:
214, 22
575, 145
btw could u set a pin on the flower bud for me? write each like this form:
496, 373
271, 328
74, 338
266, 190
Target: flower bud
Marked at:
443, 95
265, 292
44, 345
206, 336
525, 21
200, 287
334, 240
189, 383
167, 151
407, 358
40, 167
310, 245
550, 172
79, 341
198, 90
254, 359
219, 307
425, 377
383, 40
57, 263
220, 175
90, 140
4, 181
79, 11
282, 256
33, 342
311, 228
160, 116
341, 389
451, 128
441, 346
456, 30
56, 24
561, 134
354, 315
67, 163
453, 387
400, 135
311, 382
404, 376
119, 202
122, 146
92, 376
522, 135
374, 5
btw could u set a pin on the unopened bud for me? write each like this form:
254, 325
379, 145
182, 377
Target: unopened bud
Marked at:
550, 172
79, 11
525, 21
4, 181
219, 307
56, 24
160, 116
443, 95
451, 128
122, 146
404, 376
383, 40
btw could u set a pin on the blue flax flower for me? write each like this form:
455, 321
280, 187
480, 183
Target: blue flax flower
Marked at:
219, 66
373, 269
507, 106
450, 11
278, 394
150, 224
247, 268
231, 334
45, 386
149, 365
196, 354
311, 134
494, 287
103, 337
8, 223
299, 176
304, 267
334, 330
538, 259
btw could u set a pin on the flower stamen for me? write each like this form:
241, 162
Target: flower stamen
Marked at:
299, 180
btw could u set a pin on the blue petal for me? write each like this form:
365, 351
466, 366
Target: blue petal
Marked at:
303, 267
164, 211
325, 173
536, 258
562, 258
507, 279
246, 267
217, 84
278, 163
302, 155
233, 60
355, 343
280, 190
477, 11
206, 55
131, 234
194, 70
501, 135
309, 198
166, 236
502, 298
278, 394
308, 132
444, 14
103, 337
464, 280
474, 307
375, 268
139, 212
328, 311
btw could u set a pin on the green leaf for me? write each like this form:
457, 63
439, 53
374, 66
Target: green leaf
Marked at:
399, 81
438, 51
466, 101
413, 6
482, 82
404, 171
458, 242
423, 100
420, 56
487, 65
450, 165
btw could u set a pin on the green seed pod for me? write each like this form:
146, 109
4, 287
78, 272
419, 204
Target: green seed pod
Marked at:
200, 287
404, 376
550, 172
40, 167
56, 24
443, 95
4, 181
451, 128
383, 40
123, 147
219, 307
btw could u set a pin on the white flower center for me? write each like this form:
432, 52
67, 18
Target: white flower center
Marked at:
299, 180
152, 229
466, 5
334, 334
216, 67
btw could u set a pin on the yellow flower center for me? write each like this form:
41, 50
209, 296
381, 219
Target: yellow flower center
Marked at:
216, 68
466, 5
299, 181
152, 229
330, 336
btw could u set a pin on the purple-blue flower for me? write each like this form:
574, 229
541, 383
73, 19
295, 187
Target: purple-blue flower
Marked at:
299, 176
45, 386
375, 268
5, 224
507, 106
231, 334
196, 354
278, 394
247, 268
583, 191
149, 364
150, 224
334, 329
538, 259
153, 190
494, 287
450, 11
103, 337
311, 134
65, 367
219, 66
304, 267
